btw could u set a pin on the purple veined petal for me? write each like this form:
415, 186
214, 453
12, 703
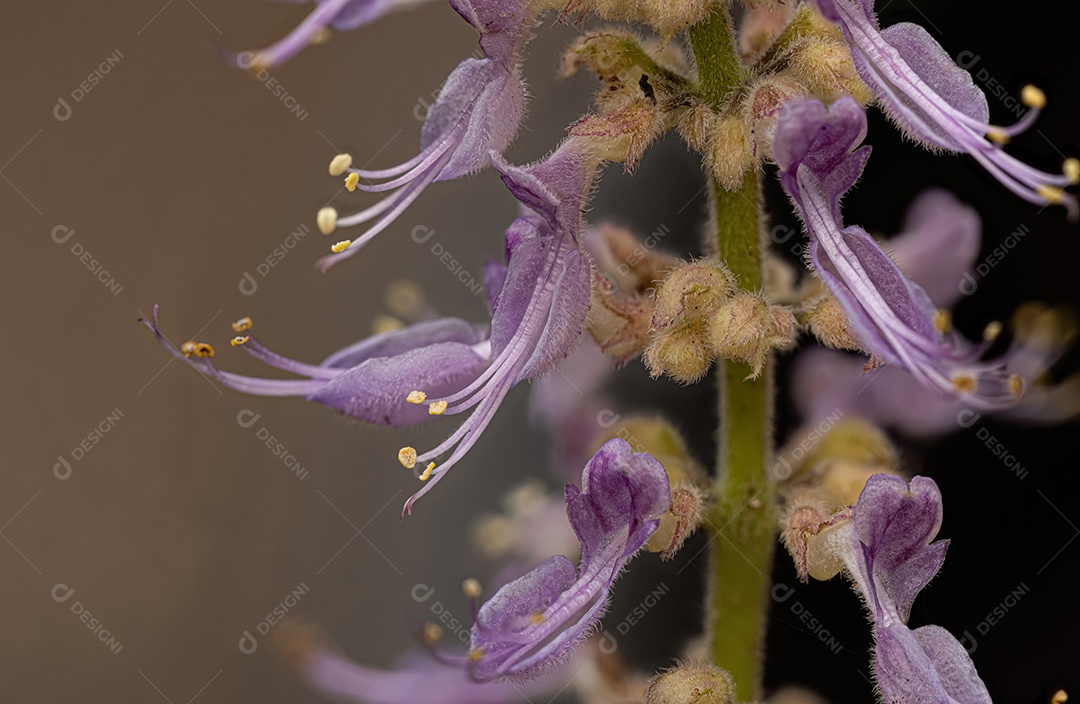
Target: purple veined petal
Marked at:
936, 103
953, 665
375, 390
903, 670
394, 342
534, 622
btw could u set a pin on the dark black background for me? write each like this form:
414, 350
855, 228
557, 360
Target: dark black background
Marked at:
1006, 533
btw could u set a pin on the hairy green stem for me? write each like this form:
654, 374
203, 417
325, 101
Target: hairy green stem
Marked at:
744, 511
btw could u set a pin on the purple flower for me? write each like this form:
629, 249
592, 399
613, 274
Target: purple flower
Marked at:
339, 14
478, 111
533, 622
539, 303
937, 249
887, 551
892, 316
935, 102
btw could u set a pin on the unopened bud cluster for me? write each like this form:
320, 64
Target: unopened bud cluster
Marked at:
701, 315
692, 683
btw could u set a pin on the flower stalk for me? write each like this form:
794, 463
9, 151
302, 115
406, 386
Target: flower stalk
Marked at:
743, 512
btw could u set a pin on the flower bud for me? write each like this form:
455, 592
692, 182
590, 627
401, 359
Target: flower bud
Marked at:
747, 329
760, 28
826, 68
660, 439
762, 107
809, 531
632, 264
696, 125
624, 134
729, 151
682, 353
619, 322
692, 683
830, 324
692, 293
681, 520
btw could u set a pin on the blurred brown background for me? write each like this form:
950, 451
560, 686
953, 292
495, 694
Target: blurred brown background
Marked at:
179, 530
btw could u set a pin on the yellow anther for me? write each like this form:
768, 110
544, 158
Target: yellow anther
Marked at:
471, 588
437, 408
997, 135
537, 618
351, 180
326, 220
340, 164
407, 457
1033, 97
1060, 697
427, 472
1071, 169
340, 246
196, 349
242, 325
943, 321
385, 323
416, 397
237, 341
432, 633
965, 383
321, 36
1016, 385
992, 330
475, 654
1052, 194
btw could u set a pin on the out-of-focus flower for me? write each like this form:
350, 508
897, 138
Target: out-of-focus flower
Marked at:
892, 317
936, 103
478, 112
533, 622
337, 14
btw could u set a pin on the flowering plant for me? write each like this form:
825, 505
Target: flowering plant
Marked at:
767, 88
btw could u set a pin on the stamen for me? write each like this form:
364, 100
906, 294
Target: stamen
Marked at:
943, 321
1033, 97
351, 180
472, 588
1052, 194
1060, 697
992, 330
326, 219
242, 325
416, 397
475, 654
432, 634
407, 457
427, 472
196, 349
1071, 169
321, 36
237, 341
1016, 385
537, 618
437, 408
340, 246
385, 323
340, 164
997, 135
965, 383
